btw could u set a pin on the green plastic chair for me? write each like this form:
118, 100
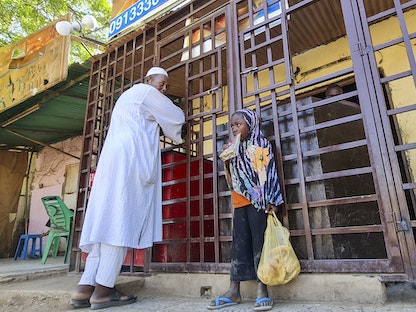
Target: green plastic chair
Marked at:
60, 217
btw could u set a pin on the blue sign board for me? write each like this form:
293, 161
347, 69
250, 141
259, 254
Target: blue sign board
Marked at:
133, 14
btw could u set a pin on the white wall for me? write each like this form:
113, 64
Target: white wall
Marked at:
55, 174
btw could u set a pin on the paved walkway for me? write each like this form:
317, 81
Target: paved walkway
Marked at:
30, 286
30, 268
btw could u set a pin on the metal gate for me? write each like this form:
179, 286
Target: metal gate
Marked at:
200, 239
347, 207
344, 158
394, 113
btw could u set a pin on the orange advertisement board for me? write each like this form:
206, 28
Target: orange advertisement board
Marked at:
32, 65
119, 6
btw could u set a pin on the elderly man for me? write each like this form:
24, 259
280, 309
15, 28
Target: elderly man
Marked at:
125, 206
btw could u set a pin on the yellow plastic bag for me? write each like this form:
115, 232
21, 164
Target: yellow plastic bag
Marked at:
278, 262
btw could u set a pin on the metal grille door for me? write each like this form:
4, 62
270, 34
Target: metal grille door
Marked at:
390, 75
334, 84
330, 152
199, 237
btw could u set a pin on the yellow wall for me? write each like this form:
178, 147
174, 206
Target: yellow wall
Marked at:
335, 56
394, 60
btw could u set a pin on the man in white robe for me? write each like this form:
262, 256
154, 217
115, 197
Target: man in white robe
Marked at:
125, 205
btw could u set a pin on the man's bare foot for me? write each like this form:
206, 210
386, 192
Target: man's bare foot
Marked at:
80, 297
104, 297
98, 297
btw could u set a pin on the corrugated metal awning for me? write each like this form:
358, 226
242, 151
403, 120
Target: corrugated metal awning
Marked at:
48, 117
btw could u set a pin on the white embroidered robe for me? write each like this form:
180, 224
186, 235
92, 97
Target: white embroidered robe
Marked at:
125, 203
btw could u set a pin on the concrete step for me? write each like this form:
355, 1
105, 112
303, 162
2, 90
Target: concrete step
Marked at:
308, 292
191, 292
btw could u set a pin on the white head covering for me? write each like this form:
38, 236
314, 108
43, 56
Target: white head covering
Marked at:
156, 71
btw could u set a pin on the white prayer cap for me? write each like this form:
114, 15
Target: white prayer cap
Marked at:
156, 71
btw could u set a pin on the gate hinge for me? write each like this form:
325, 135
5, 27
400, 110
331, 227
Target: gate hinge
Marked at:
363, 50
401, 225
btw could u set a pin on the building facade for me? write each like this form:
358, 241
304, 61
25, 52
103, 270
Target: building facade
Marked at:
334, 84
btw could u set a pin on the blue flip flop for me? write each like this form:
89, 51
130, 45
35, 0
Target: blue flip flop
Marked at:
218, 305
258, 306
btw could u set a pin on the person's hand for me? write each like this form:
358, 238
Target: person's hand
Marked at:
270, 208
184, 131
224, 147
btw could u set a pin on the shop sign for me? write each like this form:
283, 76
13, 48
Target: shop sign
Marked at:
32, 65
138, 12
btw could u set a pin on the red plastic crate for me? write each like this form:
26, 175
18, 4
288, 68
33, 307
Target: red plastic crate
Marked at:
138, 259
174, 215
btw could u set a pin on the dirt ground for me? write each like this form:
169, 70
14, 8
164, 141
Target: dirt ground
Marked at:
33, 303
49, 293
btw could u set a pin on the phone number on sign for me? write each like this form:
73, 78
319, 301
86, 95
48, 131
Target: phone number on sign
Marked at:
133, 14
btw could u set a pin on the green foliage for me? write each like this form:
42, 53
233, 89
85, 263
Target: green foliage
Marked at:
21, 18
